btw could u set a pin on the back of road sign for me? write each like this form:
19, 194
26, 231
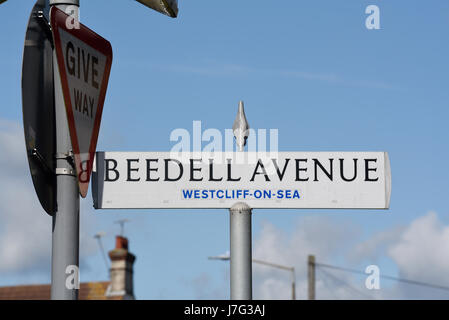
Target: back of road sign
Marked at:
84, 62
38, 107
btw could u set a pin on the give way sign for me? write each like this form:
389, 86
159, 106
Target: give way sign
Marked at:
84, 60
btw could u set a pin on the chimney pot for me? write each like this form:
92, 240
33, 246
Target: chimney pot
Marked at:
121, 243
121, 271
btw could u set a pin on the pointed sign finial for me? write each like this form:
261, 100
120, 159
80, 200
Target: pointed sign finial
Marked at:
241, 127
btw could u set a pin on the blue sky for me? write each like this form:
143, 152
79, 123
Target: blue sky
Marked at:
311, 70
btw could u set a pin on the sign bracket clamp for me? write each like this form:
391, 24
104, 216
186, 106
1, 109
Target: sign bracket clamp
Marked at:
65, 172
45, 24
70, 158
58, 171
42, 162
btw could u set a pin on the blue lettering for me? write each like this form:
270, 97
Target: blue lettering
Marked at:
187, 193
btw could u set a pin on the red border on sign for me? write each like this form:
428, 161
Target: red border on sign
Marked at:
86, 35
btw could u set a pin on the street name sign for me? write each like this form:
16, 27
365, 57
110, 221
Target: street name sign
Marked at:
334, 180
84, 61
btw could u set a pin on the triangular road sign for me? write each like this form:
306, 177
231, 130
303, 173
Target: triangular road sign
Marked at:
84, 60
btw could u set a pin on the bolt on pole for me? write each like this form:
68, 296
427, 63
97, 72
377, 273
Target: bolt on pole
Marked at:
65, 231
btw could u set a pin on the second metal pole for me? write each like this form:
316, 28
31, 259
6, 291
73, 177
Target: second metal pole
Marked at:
311, 276
241, 252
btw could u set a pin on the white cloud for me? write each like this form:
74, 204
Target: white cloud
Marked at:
25, 237
25, 228
373, 249
319, 236
422, 247
419, 250
204, 287
422, 252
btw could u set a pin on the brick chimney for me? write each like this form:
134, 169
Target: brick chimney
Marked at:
121, 271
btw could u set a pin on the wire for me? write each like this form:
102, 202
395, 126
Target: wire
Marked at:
346, 284
104, 254
418, 283
326, 284
100, 244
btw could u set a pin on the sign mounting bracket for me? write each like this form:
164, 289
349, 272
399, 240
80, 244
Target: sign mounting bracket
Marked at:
42, 162
45, 24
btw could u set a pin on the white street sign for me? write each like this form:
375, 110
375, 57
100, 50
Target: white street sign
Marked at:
84, 62
334, 180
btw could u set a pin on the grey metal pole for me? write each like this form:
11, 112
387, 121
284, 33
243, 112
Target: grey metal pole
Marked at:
240, 224
241, 252
65, 237
311, 276
293, 284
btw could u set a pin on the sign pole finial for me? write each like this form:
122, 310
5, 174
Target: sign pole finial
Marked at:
240, 127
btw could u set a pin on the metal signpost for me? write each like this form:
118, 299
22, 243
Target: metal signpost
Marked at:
65, 73
82, 62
